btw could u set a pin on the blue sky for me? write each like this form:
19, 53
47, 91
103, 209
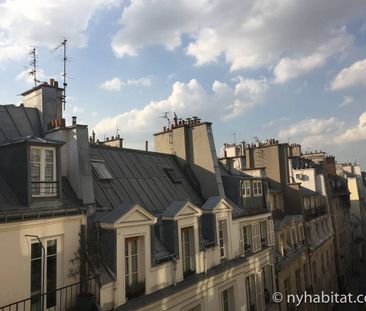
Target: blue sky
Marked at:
292, 70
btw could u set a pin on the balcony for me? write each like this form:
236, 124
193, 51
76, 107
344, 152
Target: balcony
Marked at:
62, 299
45, 189
314, 212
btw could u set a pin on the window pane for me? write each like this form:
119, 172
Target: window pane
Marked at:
36, 276
49, 156
51, 247
36, 171
36, 250
51, 280
48, 172
35, 155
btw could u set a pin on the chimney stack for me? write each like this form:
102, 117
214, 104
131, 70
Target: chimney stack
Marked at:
74, 120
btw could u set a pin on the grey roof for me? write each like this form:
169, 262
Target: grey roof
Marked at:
32, 139
211, 203
8, 199
286, 220
174, 208
18, 121
140, 177
113, 215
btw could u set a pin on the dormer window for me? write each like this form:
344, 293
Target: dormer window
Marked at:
257, 188
43, 171
246, 188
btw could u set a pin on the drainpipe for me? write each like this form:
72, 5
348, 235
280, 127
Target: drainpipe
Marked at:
175, 271
43, 266
205, 260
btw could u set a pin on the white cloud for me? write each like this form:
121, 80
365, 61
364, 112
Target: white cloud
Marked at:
276, 121
144, 81
350, 76
248, 33
222, 103
44, 23
356, 133
347, 100
313, 132
290, 68
113, 84
28, 78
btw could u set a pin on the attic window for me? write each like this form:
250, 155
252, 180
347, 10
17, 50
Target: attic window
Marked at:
173, 176
101, 170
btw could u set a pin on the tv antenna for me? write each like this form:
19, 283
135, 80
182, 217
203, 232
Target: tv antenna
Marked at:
165, 116
63, 44
33, 63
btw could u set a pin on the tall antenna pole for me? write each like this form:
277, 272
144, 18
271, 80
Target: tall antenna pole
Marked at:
33, 63
64, 45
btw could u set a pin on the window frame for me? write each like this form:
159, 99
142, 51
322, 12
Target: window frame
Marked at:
188, 232
222, 236
42, 171
257, 188
246, 188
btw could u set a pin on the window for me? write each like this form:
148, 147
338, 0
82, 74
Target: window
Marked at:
188, 251
222, 237
294, 237
250, 292
195, 308
286, 287
101, 170
267, 273
274, 202
227, 299
43, 171
173, 176
134, 267
282, 244
263, 228
50, 279
245, 240
246, 188
257, 188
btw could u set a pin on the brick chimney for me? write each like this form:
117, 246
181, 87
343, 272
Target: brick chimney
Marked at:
47, 98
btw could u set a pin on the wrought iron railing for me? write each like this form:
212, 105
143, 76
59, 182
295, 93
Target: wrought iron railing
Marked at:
61, 299
45, 188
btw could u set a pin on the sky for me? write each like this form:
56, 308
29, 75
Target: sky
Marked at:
284, 69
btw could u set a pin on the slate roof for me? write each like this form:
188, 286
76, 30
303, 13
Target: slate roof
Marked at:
140, 177
111, 217
18, 121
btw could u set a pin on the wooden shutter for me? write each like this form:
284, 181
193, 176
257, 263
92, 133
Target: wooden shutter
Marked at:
256, 237
259, 291
270, 233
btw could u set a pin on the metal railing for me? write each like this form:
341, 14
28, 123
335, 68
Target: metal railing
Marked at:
44, 188
61, 299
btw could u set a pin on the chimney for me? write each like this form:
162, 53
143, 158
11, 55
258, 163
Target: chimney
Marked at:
47, 98
193, 144
74, 120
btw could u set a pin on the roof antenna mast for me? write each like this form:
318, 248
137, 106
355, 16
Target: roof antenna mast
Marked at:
64, 45
33, 63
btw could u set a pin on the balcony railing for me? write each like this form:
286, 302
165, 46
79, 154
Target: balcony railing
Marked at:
45, 188
315, 212
61, 299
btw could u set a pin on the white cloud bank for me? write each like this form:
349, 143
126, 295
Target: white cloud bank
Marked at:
44, 23
248, 33
350, 76
187, 99
319, 132
115, 84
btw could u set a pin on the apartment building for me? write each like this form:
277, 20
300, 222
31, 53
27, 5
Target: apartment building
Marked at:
357, 188
42, 213
304, 235
338, 204
168, 235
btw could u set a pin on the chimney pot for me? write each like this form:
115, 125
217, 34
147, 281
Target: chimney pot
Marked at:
74, 120
112, 137
146, 145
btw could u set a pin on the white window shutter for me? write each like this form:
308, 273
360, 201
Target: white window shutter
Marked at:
242, 250
259, 291
256, 236
270, 233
